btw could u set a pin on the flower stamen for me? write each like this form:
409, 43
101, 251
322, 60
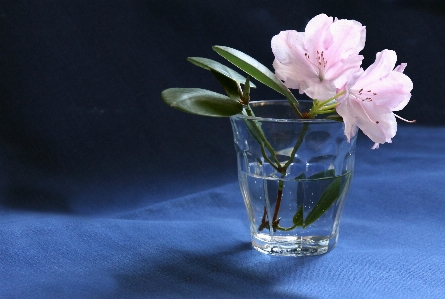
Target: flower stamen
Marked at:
316, 69
367, 99
405, 120
364, 110
320, 65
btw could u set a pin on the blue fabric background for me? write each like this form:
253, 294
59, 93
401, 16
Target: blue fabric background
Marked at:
198, 246
105, 192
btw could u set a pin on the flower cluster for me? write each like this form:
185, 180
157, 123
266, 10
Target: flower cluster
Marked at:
324, 62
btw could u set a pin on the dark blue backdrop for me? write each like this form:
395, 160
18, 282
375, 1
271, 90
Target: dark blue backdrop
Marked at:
83, 130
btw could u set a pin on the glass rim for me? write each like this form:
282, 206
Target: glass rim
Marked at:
260, 103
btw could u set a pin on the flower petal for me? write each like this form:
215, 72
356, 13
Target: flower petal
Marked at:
320, 60
400, 68
285, 73
321, 90
288, 46
382, 67
382, 84
318, 37
291, 66
349, 119
348, 38
346, 88
376, 122
342, 71
405, 86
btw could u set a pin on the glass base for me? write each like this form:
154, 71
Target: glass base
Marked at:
294, 246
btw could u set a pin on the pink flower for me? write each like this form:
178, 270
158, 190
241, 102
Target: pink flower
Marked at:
321, 59
371, 97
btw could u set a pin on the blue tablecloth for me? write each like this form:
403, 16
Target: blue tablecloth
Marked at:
106, 192
198, 246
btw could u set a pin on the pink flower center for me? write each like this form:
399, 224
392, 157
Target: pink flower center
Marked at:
319, 64
361, 96
366, 97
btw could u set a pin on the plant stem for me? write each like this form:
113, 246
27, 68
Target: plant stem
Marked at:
263, 151
264, 222
297, 145
275, 219
264, 142
286, 229
282, 169
297, 111
319, 107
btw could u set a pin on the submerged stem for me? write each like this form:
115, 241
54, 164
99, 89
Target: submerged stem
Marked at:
286, 229
282, 170
275, 219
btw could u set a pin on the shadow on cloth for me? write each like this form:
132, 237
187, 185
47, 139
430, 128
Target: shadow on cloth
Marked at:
237, 272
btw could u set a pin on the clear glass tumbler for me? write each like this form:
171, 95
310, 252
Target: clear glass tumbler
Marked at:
294, 176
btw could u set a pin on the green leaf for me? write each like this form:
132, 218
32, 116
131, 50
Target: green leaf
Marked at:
255, 129
298, 217
328, 197
201, 102
325, 174
246, 92
210, 64
302, 176
230, 86
256, 70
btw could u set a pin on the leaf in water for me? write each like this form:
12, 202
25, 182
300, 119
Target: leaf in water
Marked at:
256, 70
300, 177
210, 64
325, 174
201, 102
328, 197
298, 217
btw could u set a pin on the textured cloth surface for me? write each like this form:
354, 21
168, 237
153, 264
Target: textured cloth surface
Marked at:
198, 245
106, 192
